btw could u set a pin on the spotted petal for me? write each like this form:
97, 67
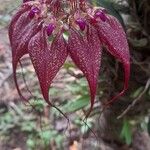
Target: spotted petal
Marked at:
47, 58
113, 37
21, 29
18, 22
85, 51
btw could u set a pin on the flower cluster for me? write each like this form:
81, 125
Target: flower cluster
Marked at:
50, 30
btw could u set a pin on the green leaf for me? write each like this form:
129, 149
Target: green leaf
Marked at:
79, 88
68, 65
137, 92
59, 140
30, 143
87, 126
38, 104
28, 126
66, 36
48, 135
77, 104
126, 132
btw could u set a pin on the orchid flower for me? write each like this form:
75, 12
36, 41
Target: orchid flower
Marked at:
51, 30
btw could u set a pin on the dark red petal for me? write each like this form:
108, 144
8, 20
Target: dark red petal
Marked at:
18, 29
114, 38
47, 58
15, 31
86, 51
21, 29
15, 18
22, 48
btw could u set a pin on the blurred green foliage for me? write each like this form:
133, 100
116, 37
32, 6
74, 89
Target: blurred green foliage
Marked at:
126, 133
42, 134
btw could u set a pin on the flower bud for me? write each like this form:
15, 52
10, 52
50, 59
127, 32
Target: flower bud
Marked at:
33, 11
50, 28
100, 14
81, 23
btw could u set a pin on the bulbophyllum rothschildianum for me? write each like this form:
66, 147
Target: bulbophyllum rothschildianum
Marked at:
50, 30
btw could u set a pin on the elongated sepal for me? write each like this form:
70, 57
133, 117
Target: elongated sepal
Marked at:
86, 51
112, 35
47, 58
21, 29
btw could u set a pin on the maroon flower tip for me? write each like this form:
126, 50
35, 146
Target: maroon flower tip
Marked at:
82, 24
33, 11
101, 14
50, 29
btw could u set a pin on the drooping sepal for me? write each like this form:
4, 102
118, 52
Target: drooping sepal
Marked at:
85, 51
47, 58
21, 29
18, 21
112, 35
